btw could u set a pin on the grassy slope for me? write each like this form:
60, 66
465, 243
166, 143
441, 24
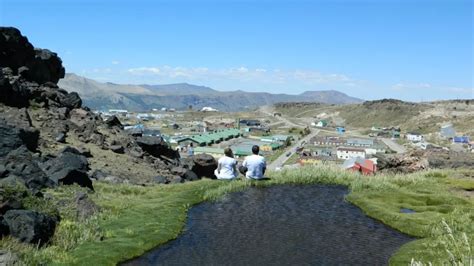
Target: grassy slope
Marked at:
137, 219
424, 118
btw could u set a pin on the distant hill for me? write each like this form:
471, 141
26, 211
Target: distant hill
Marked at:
425, 117
102, 96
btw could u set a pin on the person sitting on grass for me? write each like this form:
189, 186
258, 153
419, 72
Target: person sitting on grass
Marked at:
254, 166
226, 166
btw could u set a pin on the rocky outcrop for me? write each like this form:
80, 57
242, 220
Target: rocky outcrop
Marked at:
30, 226
68, 168
203, 165
157, 147
20, 166
85, 207
421, 160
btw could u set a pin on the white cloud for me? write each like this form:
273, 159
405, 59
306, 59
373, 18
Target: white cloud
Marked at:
145, 71
469, 91
414, 86
115, 62
257, 75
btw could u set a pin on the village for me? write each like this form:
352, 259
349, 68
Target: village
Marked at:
283, 143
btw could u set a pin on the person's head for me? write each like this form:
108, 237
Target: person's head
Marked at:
190, 144
255, 149
228, 152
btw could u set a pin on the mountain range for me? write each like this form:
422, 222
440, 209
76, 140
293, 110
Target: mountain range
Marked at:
103, 96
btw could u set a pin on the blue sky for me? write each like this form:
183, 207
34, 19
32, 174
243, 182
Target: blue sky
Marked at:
408, 49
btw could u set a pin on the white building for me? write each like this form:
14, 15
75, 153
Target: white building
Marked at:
208, 109
414, 137
346, 153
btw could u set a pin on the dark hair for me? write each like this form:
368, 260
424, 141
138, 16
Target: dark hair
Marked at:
255, 149
190, 144
228, 152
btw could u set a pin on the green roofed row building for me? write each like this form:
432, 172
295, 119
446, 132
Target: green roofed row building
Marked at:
209, 138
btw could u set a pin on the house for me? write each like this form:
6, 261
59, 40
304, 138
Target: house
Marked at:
349, 152
322, 123
258, 129
250, 122
327, 141
461, 139
324, 152
361, 165
356, 142
447, 131
395, 133
414, 137
340, 130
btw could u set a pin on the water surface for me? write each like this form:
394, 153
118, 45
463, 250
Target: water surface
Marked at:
280, 225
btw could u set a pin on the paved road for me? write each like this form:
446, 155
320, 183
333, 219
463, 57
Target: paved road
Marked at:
394, 146
278, 162
268, 110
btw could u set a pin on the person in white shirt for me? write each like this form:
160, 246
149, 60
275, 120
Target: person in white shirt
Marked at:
226, 166
254, 166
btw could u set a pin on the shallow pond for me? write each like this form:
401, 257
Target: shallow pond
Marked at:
280, 225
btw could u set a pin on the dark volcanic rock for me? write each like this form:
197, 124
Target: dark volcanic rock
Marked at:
156, 147
79, 151
21, 165
44, 67
117, 148
85, 207
203, 165
160, 179
16, 130
15, 48
10, 204
68, 168
30, 226
72, 100
113, 121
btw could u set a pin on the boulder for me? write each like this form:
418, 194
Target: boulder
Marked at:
71, 100
113, 121
176, 180
160, 179
98, 175
156, 147
15, 48
68, 168
16, 130
61, 137
44, 67
21, 165
117, 148
135, 152
10, 204
85, 207
79, 151
184, 173
203, 165
30, 226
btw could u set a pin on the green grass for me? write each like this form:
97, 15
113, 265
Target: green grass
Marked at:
136, 219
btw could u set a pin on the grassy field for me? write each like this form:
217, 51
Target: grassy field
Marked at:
135, 219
